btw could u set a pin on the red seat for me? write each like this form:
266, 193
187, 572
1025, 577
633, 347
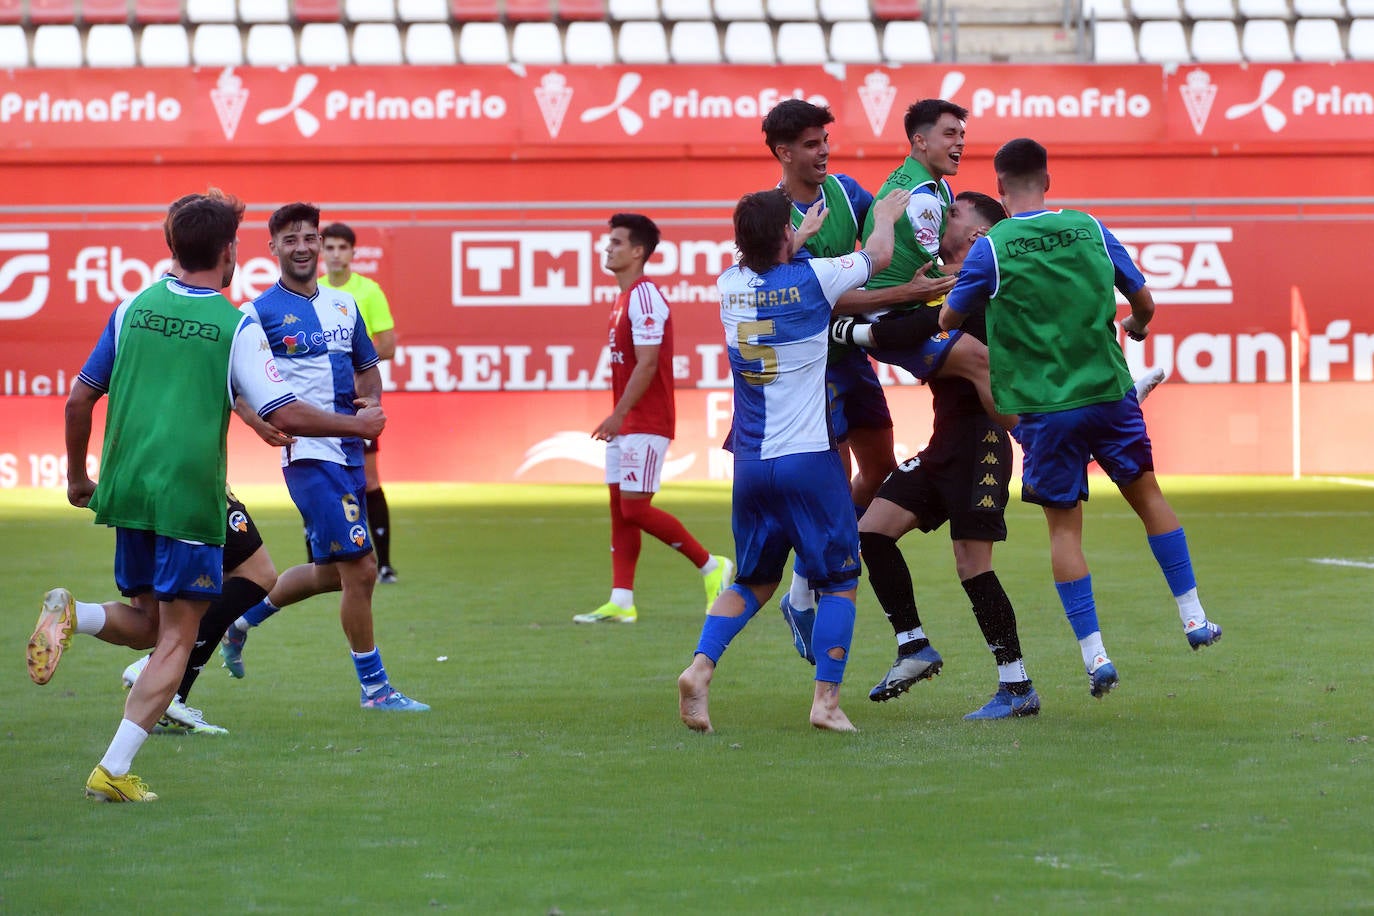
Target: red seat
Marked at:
11, 12
156, 11
475, 10
104, 11
52, 12
897, 9
318, 11
529, 10
582, 10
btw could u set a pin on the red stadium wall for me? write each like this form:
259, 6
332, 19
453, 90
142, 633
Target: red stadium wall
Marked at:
480, 196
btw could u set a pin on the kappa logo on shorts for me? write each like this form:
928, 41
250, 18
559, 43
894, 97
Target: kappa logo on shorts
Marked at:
989, 458
988, 481
204, 581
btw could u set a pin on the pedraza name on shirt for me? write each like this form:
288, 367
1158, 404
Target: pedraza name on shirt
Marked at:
763, 298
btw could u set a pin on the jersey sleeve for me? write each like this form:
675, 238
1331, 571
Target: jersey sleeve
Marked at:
838, 276
99, 366
648, 312
977, 279
1128, 276
375, 309
926, 213
364, 353
253, 373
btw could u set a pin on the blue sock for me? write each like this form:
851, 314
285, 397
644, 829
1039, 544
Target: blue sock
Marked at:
1171, 552
259, 612
834, 630
1079, 607
717, 632
371, 672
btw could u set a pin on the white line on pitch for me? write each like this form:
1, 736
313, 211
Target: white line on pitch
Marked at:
1348, 481
1337, 561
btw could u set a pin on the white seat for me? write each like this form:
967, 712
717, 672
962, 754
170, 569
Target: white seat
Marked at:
642, 43
1317, 40
430, 44
324, 44
1215, 41
57, 46
376, 44
674, 10
422, 10
1104, 9
906, 42
1318, 9
1162, 42
1265, 9
251, 11
164, 45
217, 45
589, 43
854, 42
748, 43
624, 10
198, 11
1360, 39
14, 47
371, 11
694, 42
1359, 9
536, 43
110, 45
484, 43
1114, 42
270, 44
801, 43
1209, 9
792, 10
729, 10
837, 10
1266, 41
1156, 9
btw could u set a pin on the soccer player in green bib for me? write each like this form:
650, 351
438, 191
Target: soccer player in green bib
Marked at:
1047, 281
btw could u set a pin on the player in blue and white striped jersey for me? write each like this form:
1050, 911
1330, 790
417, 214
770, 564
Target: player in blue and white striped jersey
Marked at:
790, 489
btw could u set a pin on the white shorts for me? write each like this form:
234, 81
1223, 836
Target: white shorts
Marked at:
635, 461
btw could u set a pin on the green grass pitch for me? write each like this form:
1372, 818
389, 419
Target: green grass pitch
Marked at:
553, 773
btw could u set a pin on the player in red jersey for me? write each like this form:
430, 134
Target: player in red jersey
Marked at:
641, 427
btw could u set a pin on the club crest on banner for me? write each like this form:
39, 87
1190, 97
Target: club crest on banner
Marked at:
553, 95
229, 98
1199, 92
877, 94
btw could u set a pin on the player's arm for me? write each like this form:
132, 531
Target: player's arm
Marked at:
977, 282
811, 224
646, 367
301, 419
1131, 282
920, 288
886, 211
80, 406
368, 386
385, 342
266, 431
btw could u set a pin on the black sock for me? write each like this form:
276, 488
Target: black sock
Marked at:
379, 520
237, 596
890, 580
995, 615
905, 330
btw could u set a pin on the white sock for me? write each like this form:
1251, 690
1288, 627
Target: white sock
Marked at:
1091, 647
709, 566
120, 756
623, 598
90, 618
910, 636
1190, 610
799, 593
1012, 672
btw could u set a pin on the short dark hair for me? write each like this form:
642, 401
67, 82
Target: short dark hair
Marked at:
641, 230
787, 119
922, 115
761, 220
989, 208
213, 194
340, 231
291, 214
201, 230
1021, 158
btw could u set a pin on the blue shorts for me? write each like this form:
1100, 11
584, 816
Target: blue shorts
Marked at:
1059, 446
332, 502
801, 503
855, 395
168, 567
922, 361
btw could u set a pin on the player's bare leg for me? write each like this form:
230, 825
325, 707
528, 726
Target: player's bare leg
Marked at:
873, 453
693, 686
825, 708
968, 360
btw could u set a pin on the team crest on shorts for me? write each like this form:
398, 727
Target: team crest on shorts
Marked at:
238, 521
357, 535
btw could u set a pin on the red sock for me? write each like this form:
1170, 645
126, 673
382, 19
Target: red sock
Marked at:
625, 541
666, 528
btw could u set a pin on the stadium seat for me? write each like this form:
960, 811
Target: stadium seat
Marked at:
12, 13
1209, 9
430, 44
164, 44
217, 45
855, 43
422, 10
251, 11
475, 10
1359, 9
370, 10
377, 44
198, 11
905, 43
1317, 40
324, 44
110, 45
270, 44
1360, 40
536, 43
642, 43
1265, 9
1319, 9
1156, 9
316, 11
1114, 42
626, 10
52, 12
582, 10
1097, 10
104, 12
1162, 42
14, 47
801, 43
748, 43
156, 12
529, 10
837, 10
1214, 41
730, 10
897, 9
484, 43
694, 42
57, 46
1266, 41
675, 10
792, 10
589, 43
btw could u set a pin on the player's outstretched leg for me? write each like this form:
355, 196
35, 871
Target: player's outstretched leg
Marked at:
826, 713
1148, 382
52, 634
693, 690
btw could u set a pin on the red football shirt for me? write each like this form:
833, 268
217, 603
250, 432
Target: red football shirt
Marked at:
640, 318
